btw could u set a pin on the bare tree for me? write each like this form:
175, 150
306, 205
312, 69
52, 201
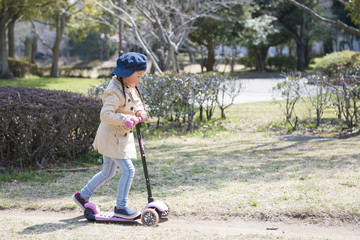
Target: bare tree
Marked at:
173, 21
128, 19
289, 90
320, 96
169, 22
347, 95
229, 89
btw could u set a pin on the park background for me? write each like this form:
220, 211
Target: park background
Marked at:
292, 161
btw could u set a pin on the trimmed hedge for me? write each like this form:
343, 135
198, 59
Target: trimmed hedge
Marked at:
247, 61
76, 71
66, 71
282, 63
20, 68
43, 127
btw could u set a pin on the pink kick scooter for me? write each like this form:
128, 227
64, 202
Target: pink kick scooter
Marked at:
152, 211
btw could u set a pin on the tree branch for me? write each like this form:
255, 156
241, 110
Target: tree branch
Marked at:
342, 2
336, 23
38, 36
135, 28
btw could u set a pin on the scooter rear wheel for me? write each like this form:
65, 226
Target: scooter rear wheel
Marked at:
150, 217
89, 214
165, 214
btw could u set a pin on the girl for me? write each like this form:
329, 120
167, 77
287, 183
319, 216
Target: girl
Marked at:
121, 102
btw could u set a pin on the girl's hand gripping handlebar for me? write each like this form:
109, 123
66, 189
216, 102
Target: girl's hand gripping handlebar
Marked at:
131, 123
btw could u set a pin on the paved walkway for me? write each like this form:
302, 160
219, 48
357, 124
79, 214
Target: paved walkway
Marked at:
257, 89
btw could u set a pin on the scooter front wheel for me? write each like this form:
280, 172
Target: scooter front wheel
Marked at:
150, 217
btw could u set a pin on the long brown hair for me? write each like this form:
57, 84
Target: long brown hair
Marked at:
120, 79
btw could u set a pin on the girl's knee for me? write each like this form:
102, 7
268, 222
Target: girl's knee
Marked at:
130, 171
109, 168
109, 174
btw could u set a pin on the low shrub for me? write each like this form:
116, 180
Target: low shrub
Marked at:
178, 97
338, 92
42, 127
330, 63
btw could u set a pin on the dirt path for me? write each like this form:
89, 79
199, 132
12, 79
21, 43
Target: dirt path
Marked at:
51, 225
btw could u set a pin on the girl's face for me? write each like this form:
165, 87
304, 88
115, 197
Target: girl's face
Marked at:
133, 79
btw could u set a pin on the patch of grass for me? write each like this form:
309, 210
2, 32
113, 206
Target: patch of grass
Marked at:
68, 207
29, 176
90, 159
79, 85
253, 203
4, 205
32, 207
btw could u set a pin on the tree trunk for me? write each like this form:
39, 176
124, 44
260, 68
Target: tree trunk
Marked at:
301, 41
233, 59
211, 57
60, 26
300, 49
5, 72
55, 63
261, 53
168, 58
174, 59
301, 45
191, 120
28, 43
33, 49
160, 52
223, 116
11, 38
121, 50
191, 56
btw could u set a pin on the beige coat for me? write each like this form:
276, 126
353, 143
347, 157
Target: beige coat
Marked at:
112, 138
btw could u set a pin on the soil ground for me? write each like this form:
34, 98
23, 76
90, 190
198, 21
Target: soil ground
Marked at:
17, 224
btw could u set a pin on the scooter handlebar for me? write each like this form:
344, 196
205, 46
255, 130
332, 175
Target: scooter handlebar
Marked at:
130, 123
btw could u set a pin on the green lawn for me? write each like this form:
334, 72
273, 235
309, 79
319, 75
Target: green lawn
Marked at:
67, 84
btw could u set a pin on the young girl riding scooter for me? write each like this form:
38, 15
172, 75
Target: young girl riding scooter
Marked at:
121, 102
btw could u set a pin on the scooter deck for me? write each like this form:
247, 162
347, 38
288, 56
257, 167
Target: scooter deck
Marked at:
93, 213
110, 216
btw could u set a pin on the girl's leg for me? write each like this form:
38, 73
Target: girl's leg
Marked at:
108, 171
128, 172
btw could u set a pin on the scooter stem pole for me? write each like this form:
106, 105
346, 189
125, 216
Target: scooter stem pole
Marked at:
143, 158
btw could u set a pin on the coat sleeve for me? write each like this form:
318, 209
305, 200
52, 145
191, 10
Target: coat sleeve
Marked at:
108, 115
139, 107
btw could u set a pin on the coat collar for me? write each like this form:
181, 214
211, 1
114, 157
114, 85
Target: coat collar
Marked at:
118, 84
